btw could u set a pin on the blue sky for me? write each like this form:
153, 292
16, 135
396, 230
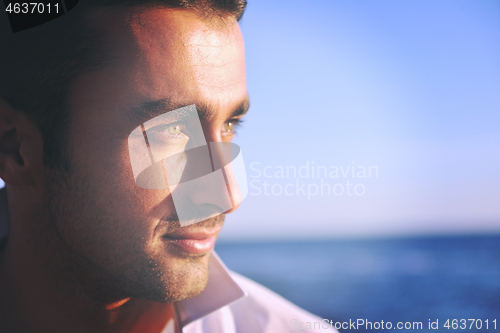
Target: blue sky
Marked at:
410, 88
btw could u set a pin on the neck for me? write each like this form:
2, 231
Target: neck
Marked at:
44, 286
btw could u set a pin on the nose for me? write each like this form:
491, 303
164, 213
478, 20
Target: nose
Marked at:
227, 157
213, 181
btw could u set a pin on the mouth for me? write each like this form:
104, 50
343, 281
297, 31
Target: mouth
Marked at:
194, 241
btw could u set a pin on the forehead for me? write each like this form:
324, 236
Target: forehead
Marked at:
175, 50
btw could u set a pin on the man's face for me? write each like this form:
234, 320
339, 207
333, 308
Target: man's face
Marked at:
165, 57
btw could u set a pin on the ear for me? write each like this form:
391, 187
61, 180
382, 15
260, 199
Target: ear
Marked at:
20, 147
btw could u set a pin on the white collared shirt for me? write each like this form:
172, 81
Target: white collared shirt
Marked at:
232, 303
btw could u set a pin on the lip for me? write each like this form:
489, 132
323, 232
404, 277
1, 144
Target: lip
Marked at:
194, 242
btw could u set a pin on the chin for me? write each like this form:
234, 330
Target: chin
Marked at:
181, 291
172, 282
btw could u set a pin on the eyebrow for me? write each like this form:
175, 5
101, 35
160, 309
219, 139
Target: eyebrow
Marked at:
149, 110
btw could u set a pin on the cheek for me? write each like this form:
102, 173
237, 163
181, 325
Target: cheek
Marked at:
138, 209
122, 190
106, 213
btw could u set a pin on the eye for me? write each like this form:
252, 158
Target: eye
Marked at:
168, 133
174, 129
229, 127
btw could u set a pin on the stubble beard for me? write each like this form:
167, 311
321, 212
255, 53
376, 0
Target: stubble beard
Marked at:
113, 270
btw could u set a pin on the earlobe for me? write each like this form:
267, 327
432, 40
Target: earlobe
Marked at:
18, 147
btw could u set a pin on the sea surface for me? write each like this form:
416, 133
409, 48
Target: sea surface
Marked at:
418, 279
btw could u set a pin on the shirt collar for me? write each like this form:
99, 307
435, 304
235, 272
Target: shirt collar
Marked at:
220, 291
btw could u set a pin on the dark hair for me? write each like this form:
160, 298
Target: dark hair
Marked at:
39, 65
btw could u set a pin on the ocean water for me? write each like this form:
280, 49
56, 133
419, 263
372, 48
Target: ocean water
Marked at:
420, 279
